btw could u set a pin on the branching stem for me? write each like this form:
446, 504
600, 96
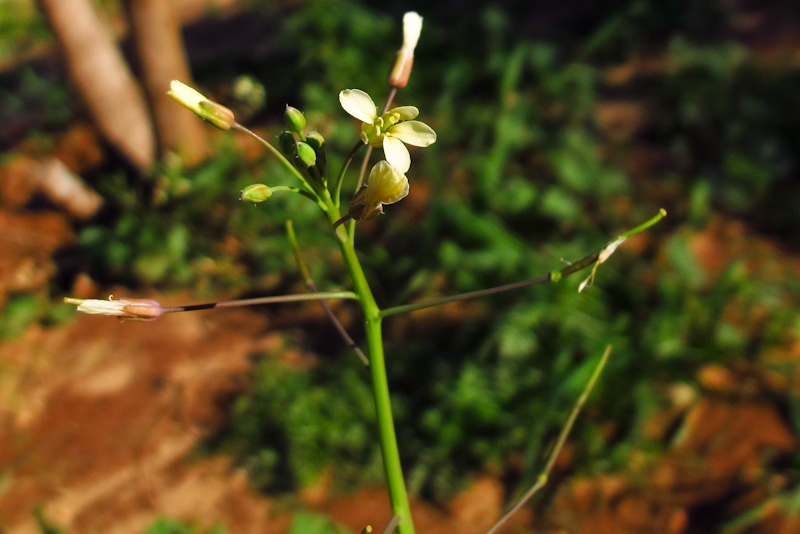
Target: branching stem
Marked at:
552, 276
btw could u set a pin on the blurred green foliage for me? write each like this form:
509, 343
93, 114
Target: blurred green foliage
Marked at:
20, 311
162, 525
190, 229
21, 28
311, 523
166, 525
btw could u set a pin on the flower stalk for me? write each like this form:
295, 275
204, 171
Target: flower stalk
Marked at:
593, 259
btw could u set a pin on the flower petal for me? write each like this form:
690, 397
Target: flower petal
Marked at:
359, 104
102, 307
401, 191
396, 153
406, 112
412, 26
186, 96
386, 184
610, 248
414, 133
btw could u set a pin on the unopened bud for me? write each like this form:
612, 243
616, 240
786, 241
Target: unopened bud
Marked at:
206, 109
125, 309
306, 154
256, 193
316, 140
218, 115
295, 120
404, 59
288, 145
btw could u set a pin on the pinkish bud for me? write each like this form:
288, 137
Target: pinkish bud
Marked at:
404, 59
125, 309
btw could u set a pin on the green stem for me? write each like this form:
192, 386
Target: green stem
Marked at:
351, 228
398, 495
645, 225
264, 300
313, 288
299, 190
336, 186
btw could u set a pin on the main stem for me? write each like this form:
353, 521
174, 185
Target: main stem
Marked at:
398, 495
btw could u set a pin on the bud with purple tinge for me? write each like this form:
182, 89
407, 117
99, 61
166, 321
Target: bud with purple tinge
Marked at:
125, 309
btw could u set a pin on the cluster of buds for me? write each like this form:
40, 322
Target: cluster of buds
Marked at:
307, 154
392, 131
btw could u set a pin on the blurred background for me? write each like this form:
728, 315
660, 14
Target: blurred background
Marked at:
560, 125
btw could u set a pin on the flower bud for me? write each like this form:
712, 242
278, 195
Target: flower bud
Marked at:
256, 193
288, 145
316, 141
125, 309
404, 59
295, 120
360, 209
216, 114
306, 154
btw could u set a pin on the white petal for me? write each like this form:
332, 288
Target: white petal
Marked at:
396, 153
609, 250
359, 104
585, 283
406, 112
102, 307
414, 133
187, 96
412, 26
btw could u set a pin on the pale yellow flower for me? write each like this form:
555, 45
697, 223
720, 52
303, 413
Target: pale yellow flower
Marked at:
390, 130
385, 185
